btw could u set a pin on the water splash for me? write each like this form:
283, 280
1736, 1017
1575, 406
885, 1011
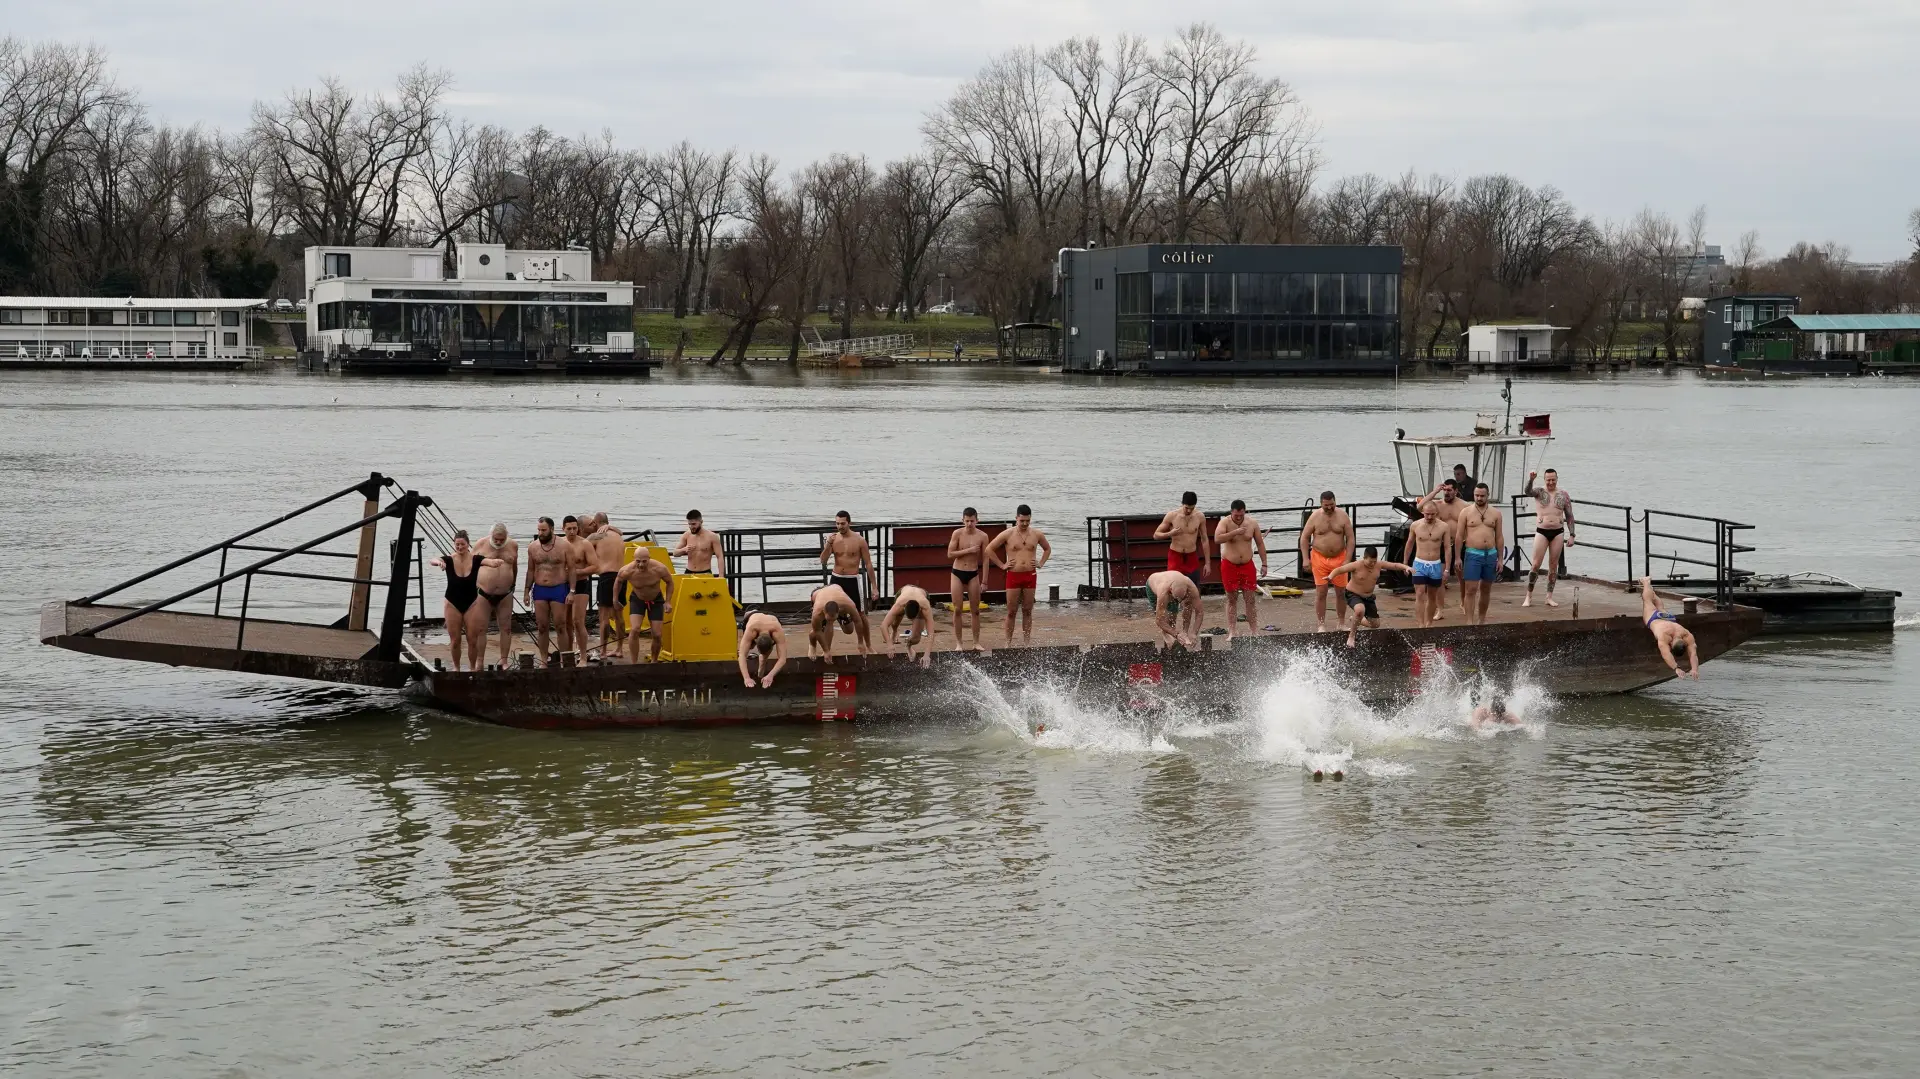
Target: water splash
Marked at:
1305, 717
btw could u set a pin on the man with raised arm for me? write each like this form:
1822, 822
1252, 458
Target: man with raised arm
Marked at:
496, 583
1668, 634
1189, 550
833, 607
849, 560
1552, 531
913, 609
644, 582
1021, 551
1176, 609
1239, 537
1483, 546
548, 589
1448, 501
609, 546
1326, 542
1363, 576
966, 550
1432, 543
763, 649
700, 547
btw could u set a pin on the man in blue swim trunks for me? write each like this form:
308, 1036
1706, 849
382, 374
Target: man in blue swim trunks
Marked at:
548, 587
1432, 541
1669, 636
1483, 545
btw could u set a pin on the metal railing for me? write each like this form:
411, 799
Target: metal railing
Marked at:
404, 563
84, 351
1119, 558
1689, 539
884, 345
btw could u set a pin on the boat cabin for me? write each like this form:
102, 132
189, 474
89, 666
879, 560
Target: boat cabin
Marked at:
1501, 461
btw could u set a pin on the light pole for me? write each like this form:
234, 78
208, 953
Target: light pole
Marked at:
128, 336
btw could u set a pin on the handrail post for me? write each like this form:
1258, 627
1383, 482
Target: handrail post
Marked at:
388, 650
362, 596
219, 588
1626, 529
420, 572
246, 597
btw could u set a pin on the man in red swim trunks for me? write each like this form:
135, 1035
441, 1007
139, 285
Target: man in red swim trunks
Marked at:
1239, 536
1185, 530
1020, 551
1326, 544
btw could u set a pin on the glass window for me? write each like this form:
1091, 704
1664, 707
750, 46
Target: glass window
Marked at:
490, 325
1726, 313
1169, 340
1377, 288
1393, 295
337, 265
384, 319
1786, 309
1132, 341
1166, 294
100, 316
329, 316
1193, 294
1327, 294
1135, 294
229, 318
1100, 283
1220, 294
232, 339
184, 318
11, 316
1299, 293
1746, 312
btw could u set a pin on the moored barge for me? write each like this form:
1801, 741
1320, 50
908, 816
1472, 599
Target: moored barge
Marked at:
1098, 647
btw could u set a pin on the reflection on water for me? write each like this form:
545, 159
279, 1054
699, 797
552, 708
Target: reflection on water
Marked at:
209, 874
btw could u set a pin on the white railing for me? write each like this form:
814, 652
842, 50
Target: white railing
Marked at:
885, 345
120, 352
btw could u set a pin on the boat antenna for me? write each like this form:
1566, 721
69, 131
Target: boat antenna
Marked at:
1506, 394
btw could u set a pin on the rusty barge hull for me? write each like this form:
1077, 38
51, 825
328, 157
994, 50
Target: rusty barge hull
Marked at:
1572, 657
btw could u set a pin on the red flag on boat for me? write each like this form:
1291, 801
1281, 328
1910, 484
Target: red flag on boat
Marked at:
1537, 426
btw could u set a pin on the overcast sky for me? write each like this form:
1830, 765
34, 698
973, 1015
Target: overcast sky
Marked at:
1794, 119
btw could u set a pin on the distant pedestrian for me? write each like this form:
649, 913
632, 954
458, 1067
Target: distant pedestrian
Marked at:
956, 350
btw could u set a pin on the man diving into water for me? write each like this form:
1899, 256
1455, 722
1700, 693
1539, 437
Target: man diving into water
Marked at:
1176, 609
763, 641
833, 607
912, 608
1363, 577
1668, 634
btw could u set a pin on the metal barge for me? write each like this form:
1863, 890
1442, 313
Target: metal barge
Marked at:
1098, 646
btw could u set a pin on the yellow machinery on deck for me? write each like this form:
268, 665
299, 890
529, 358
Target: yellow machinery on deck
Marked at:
700, 621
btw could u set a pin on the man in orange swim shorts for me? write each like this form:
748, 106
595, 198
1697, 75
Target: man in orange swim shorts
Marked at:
1326, 542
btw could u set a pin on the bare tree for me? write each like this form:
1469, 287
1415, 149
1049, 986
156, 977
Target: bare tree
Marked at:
915, 200
1219, 109
340, 163
844, 189
1746, 256
47, 94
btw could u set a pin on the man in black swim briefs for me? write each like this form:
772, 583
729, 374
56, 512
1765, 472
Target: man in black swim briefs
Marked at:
965, 548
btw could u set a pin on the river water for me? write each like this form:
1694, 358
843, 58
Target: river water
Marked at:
210, 875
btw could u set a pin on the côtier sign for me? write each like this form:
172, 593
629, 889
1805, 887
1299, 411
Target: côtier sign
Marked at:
1187, 257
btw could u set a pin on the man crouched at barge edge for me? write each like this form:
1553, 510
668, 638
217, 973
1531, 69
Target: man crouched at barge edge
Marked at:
762, 642
833, 607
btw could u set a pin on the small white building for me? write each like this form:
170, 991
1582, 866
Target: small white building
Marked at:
497, 309
1509, 346
95, 328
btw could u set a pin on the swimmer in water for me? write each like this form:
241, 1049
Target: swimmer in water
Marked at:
1494, 713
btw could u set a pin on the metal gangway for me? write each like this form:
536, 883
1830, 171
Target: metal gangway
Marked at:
884, 345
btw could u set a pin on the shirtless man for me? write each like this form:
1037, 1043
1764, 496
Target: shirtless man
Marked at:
1016, 549
1494, 713
763, 641
643, 583
1177, 613
1326, 541
965, 549
579, 559
1238, 537
496, 584
1188, 549
833, 607
1432, 541
912, 608
1363, 576
700, 547
1668, 634
1448, 503
851, 560
1483, 546
1552, 531
548, 587
609, 547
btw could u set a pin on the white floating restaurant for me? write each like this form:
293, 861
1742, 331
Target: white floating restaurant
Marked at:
48, 331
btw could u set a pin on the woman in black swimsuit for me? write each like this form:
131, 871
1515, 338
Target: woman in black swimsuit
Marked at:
466, 618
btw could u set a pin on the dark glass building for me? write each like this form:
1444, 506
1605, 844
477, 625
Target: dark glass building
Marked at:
1230, 309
